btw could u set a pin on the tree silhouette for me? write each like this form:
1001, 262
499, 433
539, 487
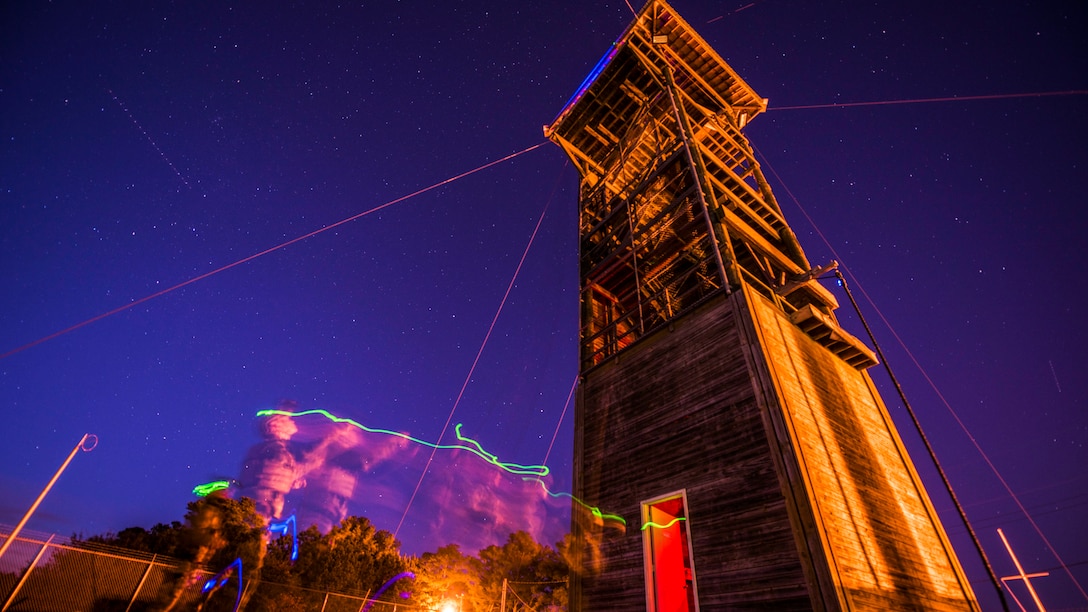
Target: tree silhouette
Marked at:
536, 574
354, 558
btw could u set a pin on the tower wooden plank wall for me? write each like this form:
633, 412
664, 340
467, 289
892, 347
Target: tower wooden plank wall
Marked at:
714, 372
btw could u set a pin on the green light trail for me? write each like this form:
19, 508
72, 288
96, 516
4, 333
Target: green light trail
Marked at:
665, 526
593, 509
208, 488
470, 445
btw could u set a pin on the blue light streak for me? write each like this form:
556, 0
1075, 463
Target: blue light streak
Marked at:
388, 583
281, 528
221, 578
591, 77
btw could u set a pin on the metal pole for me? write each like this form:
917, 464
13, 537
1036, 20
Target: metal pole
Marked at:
925, 441
34, 506
143, 579
22, 581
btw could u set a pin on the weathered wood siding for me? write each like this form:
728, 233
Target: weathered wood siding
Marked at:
800, 494
886, 547
677, 411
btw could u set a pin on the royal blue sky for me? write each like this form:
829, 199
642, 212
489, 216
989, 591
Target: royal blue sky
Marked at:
142, 145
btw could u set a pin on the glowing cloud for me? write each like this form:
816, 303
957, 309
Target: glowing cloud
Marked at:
321, 469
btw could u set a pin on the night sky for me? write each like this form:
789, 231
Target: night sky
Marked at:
143, 145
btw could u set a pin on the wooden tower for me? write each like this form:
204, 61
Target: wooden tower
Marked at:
723, 413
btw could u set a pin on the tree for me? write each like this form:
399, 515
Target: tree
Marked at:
162, 539
536, 573
353, 557
279, 587
218, 530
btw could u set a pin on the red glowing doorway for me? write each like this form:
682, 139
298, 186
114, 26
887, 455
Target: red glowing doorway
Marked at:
670, 573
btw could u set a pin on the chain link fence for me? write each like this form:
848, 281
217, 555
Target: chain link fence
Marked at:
46, 573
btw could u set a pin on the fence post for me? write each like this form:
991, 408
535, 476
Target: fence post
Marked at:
22, 581
143, 579
366, 598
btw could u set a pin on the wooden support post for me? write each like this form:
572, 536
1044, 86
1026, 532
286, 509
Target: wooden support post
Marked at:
1022, 575
139, 586
730, 276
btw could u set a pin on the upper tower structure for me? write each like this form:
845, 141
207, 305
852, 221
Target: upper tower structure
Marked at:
722, 408
674, 206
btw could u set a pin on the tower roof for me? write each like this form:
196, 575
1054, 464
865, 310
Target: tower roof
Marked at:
631, 72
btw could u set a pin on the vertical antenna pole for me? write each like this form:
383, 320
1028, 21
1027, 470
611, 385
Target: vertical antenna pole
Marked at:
37, 502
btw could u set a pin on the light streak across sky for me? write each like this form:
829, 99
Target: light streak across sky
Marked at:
469, 445
593, 509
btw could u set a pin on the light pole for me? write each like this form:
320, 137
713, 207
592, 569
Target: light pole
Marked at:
41, 496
